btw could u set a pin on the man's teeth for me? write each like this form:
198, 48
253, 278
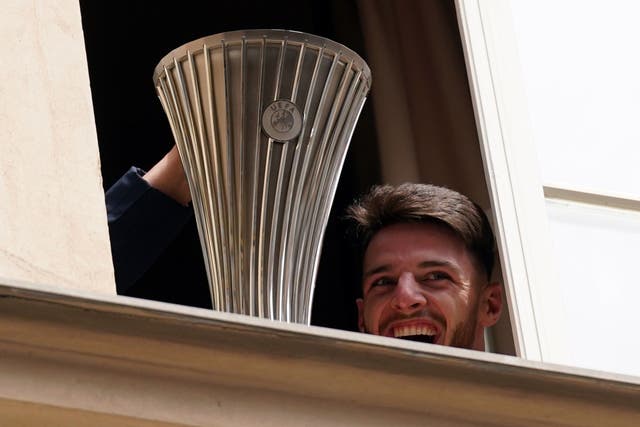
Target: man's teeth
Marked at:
404, 331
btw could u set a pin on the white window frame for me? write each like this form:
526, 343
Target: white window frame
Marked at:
515, 186
517, 191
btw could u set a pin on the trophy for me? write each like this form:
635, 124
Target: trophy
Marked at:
262, 120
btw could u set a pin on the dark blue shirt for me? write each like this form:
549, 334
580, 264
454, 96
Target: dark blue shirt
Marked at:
142, 224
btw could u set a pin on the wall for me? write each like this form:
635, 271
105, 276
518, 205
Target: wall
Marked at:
52, 217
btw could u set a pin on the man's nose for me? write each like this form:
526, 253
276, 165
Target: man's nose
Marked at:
407, 295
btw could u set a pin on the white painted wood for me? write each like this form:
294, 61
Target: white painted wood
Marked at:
591, 197
573, 301
514, 182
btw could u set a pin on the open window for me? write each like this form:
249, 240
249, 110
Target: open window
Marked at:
557, 113
418, 126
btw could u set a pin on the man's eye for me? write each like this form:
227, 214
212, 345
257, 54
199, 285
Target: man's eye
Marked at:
437, 275
383, 281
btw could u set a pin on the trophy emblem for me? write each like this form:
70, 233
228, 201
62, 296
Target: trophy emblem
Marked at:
262, 120
282, 120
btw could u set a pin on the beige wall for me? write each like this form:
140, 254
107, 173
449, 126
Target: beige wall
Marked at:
52, 218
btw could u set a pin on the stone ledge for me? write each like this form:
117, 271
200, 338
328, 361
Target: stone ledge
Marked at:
115, 358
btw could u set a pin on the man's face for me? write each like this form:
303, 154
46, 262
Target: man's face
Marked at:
421, 283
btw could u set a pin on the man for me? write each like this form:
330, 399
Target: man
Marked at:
426, 269
428, 253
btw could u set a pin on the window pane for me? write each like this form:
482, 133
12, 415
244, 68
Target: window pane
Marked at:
596, 258
580, 68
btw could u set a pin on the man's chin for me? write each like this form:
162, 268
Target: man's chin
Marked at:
464, 336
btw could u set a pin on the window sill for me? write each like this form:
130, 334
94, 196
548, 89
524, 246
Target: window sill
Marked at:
114, 360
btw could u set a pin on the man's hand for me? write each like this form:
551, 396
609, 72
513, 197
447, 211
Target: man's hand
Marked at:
168, 177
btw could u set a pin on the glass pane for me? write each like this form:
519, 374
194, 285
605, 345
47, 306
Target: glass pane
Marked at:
581, 65
596, 252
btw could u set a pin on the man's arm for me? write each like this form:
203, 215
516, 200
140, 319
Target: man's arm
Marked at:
145, 213
168, 177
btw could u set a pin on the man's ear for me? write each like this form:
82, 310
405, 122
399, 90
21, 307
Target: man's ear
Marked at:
490, 306
360, 304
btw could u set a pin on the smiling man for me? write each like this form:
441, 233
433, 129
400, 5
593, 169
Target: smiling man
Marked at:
428, 253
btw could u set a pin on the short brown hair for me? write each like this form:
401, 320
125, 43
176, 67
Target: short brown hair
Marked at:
386, 205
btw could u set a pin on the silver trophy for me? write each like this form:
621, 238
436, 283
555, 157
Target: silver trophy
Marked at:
262, 120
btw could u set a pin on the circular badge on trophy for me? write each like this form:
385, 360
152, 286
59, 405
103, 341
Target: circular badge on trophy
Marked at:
281, 120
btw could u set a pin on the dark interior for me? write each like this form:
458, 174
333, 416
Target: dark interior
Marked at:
125, 41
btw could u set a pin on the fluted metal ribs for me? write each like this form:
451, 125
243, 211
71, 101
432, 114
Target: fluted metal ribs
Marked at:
262, 205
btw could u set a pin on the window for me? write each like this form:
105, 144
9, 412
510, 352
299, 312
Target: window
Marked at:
417, 126
560, 133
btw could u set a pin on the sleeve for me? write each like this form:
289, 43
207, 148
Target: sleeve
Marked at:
142, 223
